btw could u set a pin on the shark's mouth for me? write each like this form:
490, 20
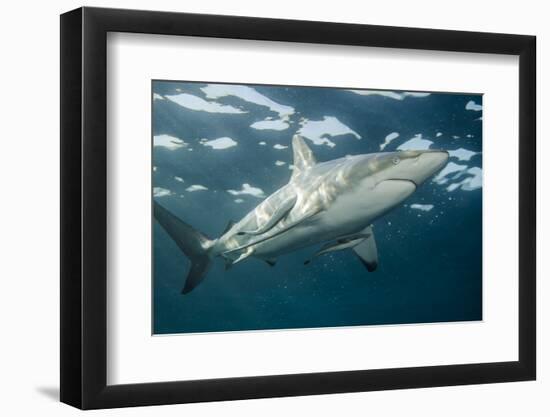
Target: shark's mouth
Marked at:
404, 180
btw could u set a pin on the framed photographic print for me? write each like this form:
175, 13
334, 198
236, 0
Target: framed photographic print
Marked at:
257, 208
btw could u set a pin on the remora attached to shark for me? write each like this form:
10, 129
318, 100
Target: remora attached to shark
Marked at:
333, 202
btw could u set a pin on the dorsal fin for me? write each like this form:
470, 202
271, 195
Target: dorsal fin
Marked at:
230, 224
303, 157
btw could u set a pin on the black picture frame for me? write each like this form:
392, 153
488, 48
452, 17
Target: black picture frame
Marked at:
84, 207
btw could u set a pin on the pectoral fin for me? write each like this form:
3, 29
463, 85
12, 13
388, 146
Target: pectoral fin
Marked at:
367, 252
280, 212
340, 244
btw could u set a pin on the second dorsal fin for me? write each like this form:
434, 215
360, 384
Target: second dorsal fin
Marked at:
229, 225
303, 157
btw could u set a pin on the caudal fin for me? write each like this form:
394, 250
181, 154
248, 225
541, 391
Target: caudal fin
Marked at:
193, 244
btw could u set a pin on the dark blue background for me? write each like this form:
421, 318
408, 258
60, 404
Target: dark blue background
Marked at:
430, 263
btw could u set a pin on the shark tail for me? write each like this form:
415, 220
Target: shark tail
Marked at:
195, 245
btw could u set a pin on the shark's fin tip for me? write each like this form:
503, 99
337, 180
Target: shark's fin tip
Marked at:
303, 156
367, 251
271, 262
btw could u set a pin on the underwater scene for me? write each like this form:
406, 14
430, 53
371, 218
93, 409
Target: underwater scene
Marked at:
285, 207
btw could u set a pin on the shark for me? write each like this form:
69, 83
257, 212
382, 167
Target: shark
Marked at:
332, 203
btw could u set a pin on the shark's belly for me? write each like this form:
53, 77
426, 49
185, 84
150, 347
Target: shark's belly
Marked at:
328, 225
347, 215
291, 240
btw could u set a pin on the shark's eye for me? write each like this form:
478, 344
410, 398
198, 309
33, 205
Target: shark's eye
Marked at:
395, 160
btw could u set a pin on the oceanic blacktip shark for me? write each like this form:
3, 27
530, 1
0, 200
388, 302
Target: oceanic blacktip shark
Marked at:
333, 202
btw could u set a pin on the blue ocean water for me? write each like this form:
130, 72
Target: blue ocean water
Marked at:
219, 149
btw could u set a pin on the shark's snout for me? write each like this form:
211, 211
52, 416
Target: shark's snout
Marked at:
429, 162
418, 166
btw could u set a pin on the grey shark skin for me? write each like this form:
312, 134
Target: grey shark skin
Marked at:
332, 202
